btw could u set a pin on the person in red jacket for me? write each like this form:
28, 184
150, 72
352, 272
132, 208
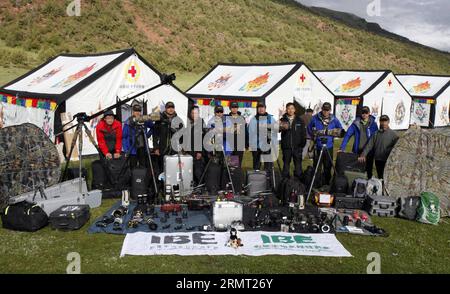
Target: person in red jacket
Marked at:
109, 135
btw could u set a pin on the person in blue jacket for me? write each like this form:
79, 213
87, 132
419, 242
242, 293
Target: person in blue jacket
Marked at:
361, 129
132, 142
323, 121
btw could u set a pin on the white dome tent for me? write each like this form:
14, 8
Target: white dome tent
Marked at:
73, 83
431, 99
378, 89
275, 84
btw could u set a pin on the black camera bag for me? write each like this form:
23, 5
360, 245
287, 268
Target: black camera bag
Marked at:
24, 216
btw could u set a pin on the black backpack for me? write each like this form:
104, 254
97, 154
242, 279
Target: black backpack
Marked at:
289, 185
308, 177
359, 188
408, 207
24, 216
339, 184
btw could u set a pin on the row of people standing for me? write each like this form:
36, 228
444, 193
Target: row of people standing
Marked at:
297, 132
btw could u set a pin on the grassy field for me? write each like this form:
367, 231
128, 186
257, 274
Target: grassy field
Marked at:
411, 248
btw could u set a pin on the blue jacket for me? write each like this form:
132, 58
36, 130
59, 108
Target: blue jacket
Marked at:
317, 124
354, 130
254, 137
129, 136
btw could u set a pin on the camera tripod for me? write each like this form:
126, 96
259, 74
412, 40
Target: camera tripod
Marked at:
82, 118
214, 157
323, 150
141, 131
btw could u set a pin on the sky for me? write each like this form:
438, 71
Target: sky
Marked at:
422, 21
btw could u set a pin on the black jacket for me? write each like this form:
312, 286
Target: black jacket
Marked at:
295, 137
196, 131
164, 131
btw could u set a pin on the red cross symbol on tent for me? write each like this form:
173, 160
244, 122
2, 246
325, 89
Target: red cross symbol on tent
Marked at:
302, 77
390, 83
132, 71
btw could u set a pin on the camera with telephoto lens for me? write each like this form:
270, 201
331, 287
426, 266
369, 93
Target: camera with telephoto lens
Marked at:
337, 132
120, 212
151, 224
141, 120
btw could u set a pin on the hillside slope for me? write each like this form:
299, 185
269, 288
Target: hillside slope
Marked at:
191, 36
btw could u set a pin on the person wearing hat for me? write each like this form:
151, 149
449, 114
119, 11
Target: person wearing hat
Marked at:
306, 117
293, 139
165, 128
133, 140
324, 120
262, 121
109, 135
216, 124
235, 132
362, 129
381, 144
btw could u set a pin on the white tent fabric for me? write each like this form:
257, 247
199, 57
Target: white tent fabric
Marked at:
431, 99
89, 83
274, 84
379, 90
349, 83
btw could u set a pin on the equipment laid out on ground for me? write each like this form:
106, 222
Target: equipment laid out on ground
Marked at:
24, 216
226, 212
178, 170
65, 193
348, 161
69, 217
381, 205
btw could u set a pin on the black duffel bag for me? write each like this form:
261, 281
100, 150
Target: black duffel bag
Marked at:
24, 216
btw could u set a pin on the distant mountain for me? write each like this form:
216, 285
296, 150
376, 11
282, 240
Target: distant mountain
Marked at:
355, 21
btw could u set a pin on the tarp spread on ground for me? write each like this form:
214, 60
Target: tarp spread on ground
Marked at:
28, 159
274, 84
379, 90
419, 162
215, 243
431, 99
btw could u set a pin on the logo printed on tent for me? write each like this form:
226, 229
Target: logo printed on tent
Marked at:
220, 82
40, 79
421, 88
132, 71
256, 84
350, 86
74, 77
302, 78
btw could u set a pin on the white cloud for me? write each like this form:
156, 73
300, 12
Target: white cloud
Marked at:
425, 22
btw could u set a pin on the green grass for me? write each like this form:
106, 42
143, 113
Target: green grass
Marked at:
192, 36
411, 248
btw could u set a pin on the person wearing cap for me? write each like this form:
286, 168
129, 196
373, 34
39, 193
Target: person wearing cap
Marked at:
293, 139
381, 144
324, 120
133, 141
262, 121
216, 124
362, 129
306, 117
165, 128
109, 135
235, 132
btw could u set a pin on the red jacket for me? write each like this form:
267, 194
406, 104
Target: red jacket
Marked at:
109, 136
